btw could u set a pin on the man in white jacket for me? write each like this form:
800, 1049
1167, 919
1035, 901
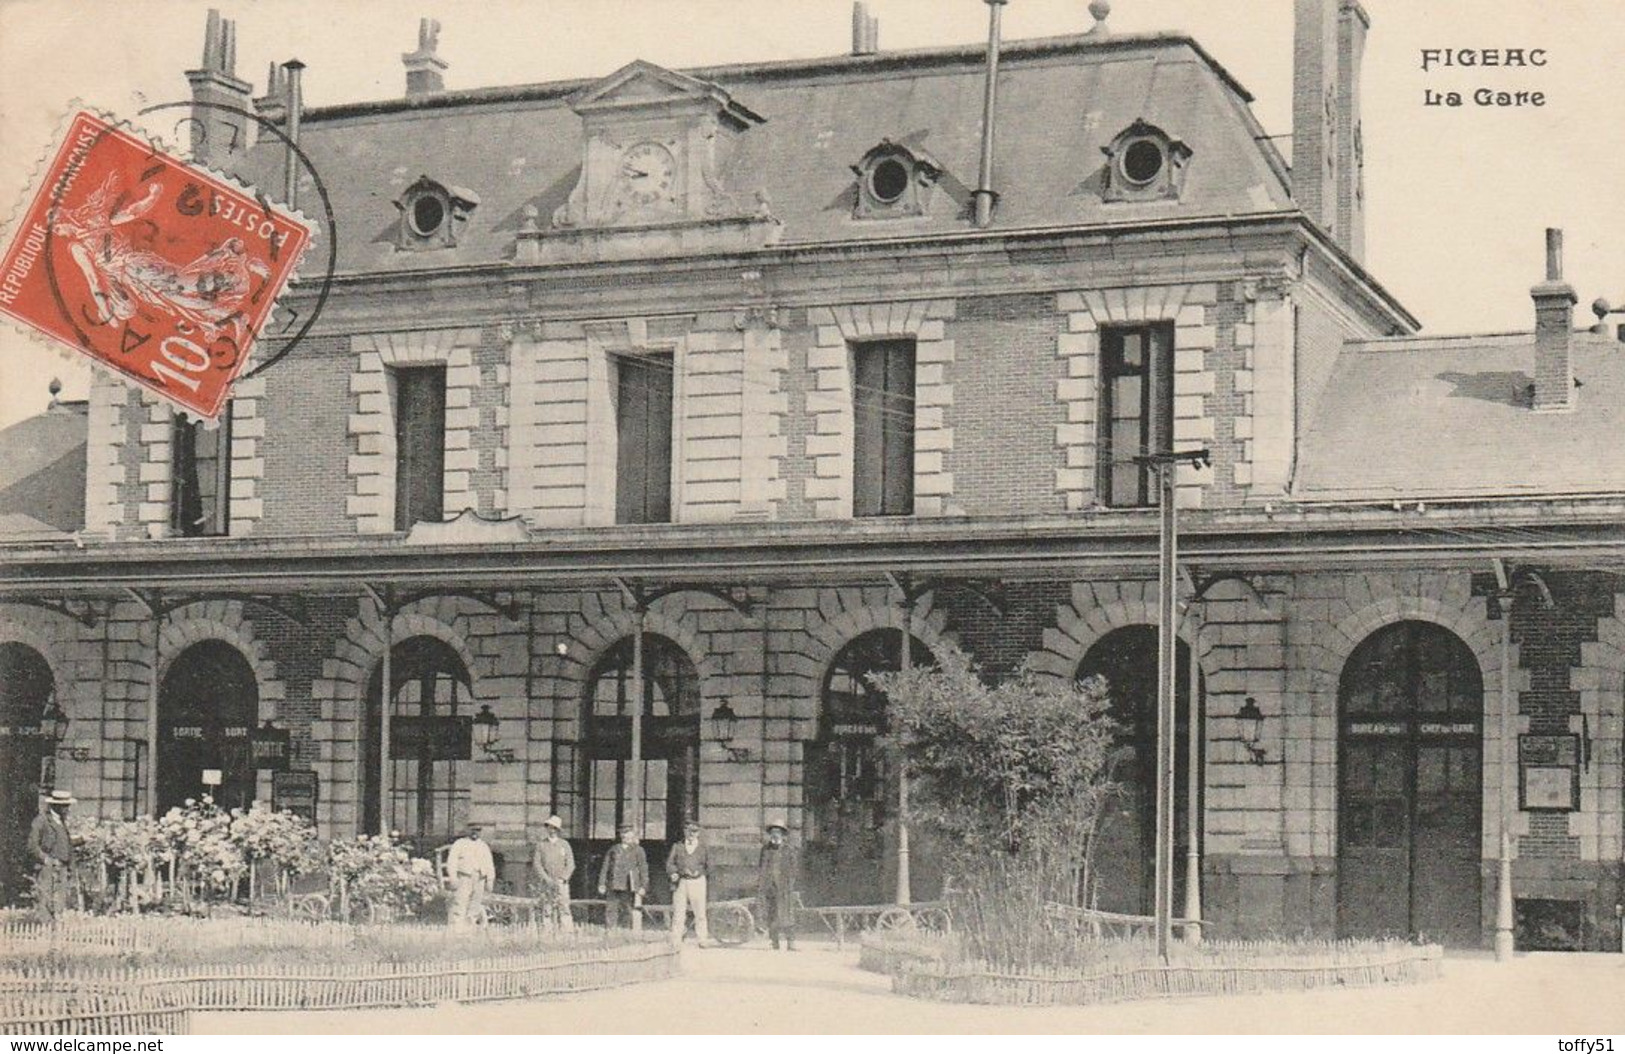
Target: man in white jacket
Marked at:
473, 872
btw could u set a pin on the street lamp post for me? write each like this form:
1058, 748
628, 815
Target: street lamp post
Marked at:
1165, 465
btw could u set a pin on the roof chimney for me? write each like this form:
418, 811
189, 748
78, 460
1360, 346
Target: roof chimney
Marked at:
219, 129
273, 105
1327, 164
865, 30
1554, 332
295, 104
425, 68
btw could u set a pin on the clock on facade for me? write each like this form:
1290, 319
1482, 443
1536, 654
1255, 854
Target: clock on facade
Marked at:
648, 176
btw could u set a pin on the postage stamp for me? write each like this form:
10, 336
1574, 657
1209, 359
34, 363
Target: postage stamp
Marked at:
154, 268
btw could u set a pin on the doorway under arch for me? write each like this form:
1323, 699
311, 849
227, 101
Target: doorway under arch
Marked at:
1121, 871
669, 754
208, 706
850, 791
1410, 797
27, 688
430, 698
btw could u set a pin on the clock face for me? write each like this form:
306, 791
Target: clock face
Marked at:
648, 176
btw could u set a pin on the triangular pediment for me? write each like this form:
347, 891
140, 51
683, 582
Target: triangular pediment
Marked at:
643, 84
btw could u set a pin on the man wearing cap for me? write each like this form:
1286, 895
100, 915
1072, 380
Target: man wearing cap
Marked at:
473, 873
554, 862
687, 867
52, 845
624, 879
776, 875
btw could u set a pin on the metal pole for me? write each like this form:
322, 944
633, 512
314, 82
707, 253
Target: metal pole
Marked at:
1166, 657
635, 780
904, 880
1504, 943
152, 719
984, 194
386, 703
1193, 791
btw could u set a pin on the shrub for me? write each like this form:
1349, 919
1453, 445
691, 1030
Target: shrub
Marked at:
1009, 778
376, 869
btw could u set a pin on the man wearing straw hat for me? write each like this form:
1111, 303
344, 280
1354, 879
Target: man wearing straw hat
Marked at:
554, 862
52, 846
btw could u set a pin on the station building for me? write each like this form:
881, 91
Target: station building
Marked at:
763, 365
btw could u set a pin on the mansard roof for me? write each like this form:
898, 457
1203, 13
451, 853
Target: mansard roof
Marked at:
1061, 100
42, 472
1423, 418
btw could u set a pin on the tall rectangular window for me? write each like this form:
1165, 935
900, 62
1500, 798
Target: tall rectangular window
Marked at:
643, 413
200, 471
420, 445
1136, 410
883, 428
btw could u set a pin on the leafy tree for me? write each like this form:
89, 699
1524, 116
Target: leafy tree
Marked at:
1006, 779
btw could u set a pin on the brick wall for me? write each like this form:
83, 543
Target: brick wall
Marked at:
1005, 412
305, 454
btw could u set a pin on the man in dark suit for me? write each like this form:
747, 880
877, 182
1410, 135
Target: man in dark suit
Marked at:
52, 846
624, 879
776, 875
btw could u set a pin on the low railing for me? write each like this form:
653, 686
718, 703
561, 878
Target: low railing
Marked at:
46, 995
1107, 924
1213, 974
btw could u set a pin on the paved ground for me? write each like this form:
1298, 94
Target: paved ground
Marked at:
819, 990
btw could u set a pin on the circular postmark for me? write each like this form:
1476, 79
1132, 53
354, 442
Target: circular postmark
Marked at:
213, 291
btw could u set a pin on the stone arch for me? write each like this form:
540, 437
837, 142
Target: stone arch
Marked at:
605, 619
1095, 610
222, 620
1600, 681
340, 692
1371, 602
53, 638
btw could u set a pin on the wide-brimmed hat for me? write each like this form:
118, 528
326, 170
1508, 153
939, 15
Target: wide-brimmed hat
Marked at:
777, 826
60, 797
625, 827
692, 825
553, 822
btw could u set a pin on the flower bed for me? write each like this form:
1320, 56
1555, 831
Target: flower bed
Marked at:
928, 968
89, 975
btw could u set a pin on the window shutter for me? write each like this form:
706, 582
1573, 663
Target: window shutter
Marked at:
644, 435
420, 445
883, 429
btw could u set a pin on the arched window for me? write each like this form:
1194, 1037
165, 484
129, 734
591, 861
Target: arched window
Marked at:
26, 690
850, 795
670, 742
1410, 799
430, 731
1122, 852
208, 707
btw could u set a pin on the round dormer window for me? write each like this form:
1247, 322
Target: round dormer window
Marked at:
427, 215
888, 180
1142, 162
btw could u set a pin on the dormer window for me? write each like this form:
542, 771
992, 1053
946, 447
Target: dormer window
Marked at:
1144, 163
894, 180
432, 214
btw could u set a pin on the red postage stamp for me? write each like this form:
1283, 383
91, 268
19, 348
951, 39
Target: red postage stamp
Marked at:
152, 267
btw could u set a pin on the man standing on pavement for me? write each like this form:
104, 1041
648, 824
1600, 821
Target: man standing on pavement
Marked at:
776, 875
554, 862
473, 873
52, 846
624, 879
687, 868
